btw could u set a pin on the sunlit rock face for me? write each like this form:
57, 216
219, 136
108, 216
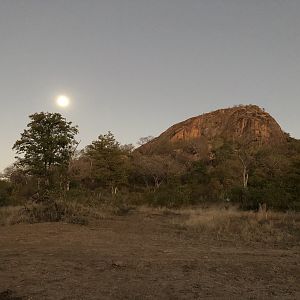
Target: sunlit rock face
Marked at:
240, 123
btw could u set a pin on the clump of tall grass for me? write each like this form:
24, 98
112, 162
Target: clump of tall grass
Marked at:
9, 214
50, 211
233, 224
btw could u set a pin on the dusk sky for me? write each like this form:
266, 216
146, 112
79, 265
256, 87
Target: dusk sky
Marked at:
135, 67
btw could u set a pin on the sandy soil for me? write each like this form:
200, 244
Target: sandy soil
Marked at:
140, 256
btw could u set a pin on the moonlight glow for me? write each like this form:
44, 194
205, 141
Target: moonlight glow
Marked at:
63, 101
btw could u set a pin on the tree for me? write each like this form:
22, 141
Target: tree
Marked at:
156, 169
246, 152
108, 161
144, 140
5, 192
46, 145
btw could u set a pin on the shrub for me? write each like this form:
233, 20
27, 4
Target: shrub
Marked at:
5, 193
169, 196
56, 211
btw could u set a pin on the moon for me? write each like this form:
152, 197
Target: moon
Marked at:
63, 101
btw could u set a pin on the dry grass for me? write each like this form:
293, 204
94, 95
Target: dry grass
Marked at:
263, 226
57, 211
217, 223
233, 224
9, 214
149, 210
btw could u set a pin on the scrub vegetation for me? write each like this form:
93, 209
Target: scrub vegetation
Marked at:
50, 168
157, 226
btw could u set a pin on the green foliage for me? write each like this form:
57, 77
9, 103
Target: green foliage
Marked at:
223, 153
108, 162
169, 196
108, 172
47, 143
198, 173
5, 192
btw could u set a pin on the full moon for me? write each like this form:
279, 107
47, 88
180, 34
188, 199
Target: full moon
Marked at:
63, 101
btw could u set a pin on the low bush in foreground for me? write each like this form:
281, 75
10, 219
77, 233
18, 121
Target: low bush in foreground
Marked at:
63, 210
56, 211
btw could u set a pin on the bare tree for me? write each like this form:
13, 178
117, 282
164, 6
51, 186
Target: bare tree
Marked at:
155, 169
246, 152
145, 140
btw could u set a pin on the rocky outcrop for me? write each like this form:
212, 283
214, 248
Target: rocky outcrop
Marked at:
239, 123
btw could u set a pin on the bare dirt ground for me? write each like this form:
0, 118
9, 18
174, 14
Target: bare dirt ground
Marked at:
141, 256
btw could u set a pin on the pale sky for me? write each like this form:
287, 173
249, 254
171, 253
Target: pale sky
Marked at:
135, 67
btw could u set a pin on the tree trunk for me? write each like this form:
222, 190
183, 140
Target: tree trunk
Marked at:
157, 182
245, 172
245, 177
114, 190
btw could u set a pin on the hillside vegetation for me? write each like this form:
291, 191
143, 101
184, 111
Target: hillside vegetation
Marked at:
237, 156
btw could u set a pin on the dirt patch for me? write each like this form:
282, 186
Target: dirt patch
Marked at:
142, 256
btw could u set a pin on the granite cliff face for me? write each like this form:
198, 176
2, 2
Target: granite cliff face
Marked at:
240, 123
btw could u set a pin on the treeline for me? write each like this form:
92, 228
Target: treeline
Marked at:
49, 163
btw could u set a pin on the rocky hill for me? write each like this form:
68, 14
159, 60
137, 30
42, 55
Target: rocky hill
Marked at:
241, 123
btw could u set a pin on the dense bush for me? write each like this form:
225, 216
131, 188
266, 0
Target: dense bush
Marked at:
169, 196
109, 173
6, 189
